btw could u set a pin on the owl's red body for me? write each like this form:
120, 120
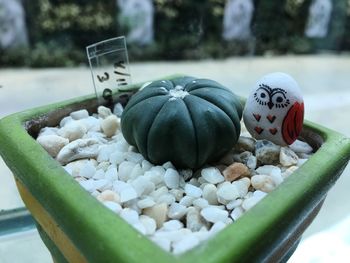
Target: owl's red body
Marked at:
293, 123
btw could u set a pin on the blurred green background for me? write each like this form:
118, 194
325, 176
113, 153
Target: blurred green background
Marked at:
59, 31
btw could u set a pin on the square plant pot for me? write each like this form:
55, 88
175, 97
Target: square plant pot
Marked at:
76, 227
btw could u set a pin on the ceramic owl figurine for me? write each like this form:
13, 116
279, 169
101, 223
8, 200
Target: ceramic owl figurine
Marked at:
275, 109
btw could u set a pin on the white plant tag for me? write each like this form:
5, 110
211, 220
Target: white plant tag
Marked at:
109, 66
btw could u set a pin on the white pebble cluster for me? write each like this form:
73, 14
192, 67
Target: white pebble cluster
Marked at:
176, 208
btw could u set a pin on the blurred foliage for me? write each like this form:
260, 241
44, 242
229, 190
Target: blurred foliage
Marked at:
59, 31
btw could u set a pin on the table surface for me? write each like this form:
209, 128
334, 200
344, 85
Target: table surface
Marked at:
324, 80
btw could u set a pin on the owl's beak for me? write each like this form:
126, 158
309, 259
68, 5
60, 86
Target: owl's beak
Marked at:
270, 104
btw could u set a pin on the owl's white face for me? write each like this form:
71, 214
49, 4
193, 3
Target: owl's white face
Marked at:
268, 105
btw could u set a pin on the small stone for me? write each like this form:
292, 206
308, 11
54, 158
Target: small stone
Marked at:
143, 185
133, 157
48, 131
158, 212
127, 194
125, 169
193, 191
301, 162
116, 158
200, 203
110, 125
52, 143
194, 181
88, 185
146, 165
185, 244
228, 192
242, 186
118, 109
209, 193
129, 215
213, 214
112, 173
263, 182
245, 144
136, 172
187, 200
149, 224
139, 227
234, 203
172, 178
217, 227
177, 211
72, 131
146, 202
109, 195
212, 175
65, 121
301, 147
168, 165
166, 198
235, 171
99, 174
288, 157
159, 192
194, 221
102, 184
80, 114
253, 200
237, 213
267, 152
162, 242
103, 112
78, 149
172, 225
177, 193
91, 124
88, 170
115, 207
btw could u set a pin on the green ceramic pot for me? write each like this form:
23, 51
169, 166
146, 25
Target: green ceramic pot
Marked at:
77, 228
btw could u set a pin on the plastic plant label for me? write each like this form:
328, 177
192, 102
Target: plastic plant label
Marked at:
109, 66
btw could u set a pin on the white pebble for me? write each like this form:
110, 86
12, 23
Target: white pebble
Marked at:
110, 125
171, 178
172, 225
288, 157
217, 227
103, 112
80, 114
115, 207
237, 213
88, 170
149, 224
128, 194
52, 143
159, 192
72, 131
109, 195
146, 165
78, 149
252, 201
212, 175
209, 193
163, 242
177, 211
194, 221
234, 203
263, 182
125, 169
177, 193
143, 185
146, 202
88, 185
129, 215
99, 174
166, 198
111, 173
200, 203
185, 244
116, 158
193, 191
118, 109
133, 157
301, 162
301, 147
214, 214
187, 200
228, 192
65, 121
168, 165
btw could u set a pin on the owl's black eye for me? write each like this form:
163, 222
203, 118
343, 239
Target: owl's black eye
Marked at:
262, 95
279, 99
